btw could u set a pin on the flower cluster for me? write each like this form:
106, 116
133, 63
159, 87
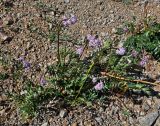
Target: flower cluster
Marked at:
26, 65
69, 21
79, 50
42, 81
125, 29
143, 61
134, 53
93, 41
99, 85
120, 51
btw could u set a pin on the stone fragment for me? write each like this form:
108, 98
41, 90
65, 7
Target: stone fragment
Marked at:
4, 37
87, 123
99, 120
74, 124
45, 124
8, 3
66, 1
63, 113
149, 119
145, 107
8, 20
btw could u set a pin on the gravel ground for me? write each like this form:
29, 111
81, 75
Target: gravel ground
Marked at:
25, 22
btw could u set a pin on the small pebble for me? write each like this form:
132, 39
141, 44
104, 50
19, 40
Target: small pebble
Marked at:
63, 113
4, 37
74, 124
66, 1
45, 124
99, 120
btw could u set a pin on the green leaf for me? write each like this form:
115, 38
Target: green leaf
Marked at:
52, 37
4, 76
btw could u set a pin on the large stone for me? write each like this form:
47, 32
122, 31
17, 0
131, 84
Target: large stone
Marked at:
149, 119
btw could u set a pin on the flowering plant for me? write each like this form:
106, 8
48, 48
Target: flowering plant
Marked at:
81, 77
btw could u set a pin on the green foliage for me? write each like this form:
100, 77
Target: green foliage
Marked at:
52, 37
126, 112
31, 97
71, 76
42, 6
127, 1
149, 39
4, 76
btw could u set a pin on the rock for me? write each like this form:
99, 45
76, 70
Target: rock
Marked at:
131, 121
86, 123
15, 29
101, 109
99, 120
8, 20
157, 122
4, 37
142, 114
149, 119
114, 30
74, 124
45, 124
8, 3
66, 1
145, 107
1, 23
63, 113
149, 102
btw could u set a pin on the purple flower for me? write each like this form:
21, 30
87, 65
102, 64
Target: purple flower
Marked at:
94, 79
26, 65
43, 81
90, 37
125, 29
98, 42
21, 59
143, 61
134, 53
121, 51
93, 42
65, 18
79, 50
73, 19
69, 22
99, 86
65, 23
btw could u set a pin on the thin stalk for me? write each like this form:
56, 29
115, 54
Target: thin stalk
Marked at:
85, 47
84, 79
65, 48
145, 14
58, 45
126, 79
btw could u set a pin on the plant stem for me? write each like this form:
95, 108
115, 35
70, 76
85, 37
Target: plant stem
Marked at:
85, 47
65, 48
125, 79
58, 45
84, 79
